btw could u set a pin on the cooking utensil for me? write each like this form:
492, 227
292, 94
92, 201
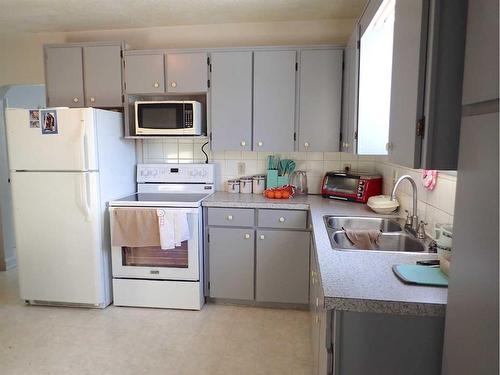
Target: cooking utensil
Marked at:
298, 180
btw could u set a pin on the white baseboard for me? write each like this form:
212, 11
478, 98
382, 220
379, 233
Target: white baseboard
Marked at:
10, 262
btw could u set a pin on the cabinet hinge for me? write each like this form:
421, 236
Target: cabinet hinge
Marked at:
208, 235
121, 53
296, 66
123, 98
210, 137
208, 83
358, 44
294, 136
209, 285
356, 135
208, 60
343, 65
421, 127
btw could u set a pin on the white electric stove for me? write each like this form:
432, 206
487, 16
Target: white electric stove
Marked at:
150, 276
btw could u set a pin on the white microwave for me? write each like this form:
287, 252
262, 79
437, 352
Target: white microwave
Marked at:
168, 117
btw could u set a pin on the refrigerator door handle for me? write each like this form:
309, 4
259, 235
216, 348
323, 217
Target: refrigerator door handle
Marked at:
84, 146
84, 194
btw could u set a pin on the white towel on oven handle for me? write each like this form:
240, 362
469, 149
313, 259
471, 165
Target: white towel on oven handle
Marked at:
174, 228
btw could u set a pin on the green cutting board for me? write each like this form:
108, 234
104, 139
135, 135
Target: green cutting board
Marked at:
420, 275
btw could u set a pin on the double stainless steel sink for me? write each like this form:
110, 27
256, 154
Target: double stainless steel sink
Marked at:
393, 237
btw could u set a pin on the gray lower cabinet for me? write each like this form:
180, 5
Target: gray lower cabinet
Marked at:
320, 99
102, 67
231, 263
64, 76
187, 72
274, 100
282, 266
144, 73
231, 100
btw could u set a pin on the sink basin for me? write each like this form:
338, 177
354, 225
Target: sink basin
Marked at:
350, 222
394, 241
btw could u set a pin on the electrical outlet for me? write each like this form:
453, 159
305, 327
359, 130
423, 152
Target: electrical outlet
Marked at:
347, 167
241, 168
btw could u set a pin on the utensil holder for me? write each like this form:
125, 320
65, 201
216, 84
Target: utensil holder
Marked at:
272, 178
282, 180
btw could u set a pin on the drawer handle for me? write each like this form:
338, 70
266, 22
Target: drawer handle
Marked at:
243, 143
282, 219
247, 236
262, 237
229, 217
173, 84
260, 144
92, 99
156, 85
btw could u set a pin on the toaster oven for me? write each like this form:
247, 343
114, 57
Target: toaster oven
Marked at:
354, 187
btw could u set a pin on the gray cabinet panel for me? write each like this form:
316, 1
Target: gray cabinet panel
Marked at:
408, 78
350, 95
274, 100
144, 73
481, 52
234, 217
231, 259
287, 219
103, 76
471, 333
187, 72
282, 266
231, 100
64, 76
320, 100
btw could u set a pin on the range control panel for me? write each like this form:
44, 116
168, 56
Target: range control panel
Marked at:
175, 173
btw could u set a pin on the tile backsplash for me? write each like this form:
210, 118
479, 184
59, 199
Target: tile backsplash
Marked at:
435, 206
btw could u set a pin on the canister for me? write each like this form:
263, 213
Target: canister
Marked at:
259, 183
246, 185
233, 186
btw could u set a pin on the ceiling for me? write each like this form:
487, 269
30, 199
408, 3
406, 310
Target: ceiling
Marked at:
79, 15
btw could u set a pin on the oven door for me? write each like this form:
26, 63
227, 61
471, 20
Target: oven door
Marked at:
341, 185
181, 263
162, 117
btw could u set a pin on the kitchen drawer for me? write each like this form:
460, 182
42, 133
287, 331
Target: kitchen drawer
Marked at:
231, 217
290, 219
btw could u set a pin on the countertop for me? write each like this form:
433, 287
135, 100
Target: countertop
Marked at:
360, 281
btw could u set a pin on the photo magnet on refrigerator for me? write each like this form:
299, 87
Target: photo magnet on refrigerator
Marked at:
49, 121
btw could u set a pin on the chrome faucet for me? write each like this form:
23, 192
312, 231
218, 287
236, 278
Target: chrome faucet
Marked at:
411, 221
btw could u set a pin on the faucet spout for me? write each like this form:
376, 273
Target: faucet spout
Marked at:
414, 193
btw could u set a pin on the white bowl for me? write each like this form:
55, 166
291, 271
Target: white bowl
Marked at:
382, 204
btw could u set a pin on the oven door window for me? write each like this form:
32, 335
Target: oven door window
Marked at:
154, 256
342, 185
161, 115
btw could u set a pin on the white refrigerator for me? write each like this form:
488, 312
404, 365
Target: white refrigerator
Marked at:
64, 168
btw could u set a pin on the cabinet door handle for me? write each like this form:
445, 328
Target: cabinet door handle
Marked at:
247, 236
262, 237
173, 84
92, 99
260, 144
229, 217
75, 100
243, 143
156, 85
306, 144
282, 219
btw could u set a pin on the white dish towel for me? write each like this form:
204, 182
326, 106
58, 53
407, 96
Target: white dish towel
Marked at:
174, 228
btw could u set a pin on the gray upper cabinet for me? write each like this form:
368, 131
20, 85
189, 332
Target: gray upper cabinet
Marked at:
187, 72
102, 66
231, 263
274, 100
64, 76
427, 72
349, 96
320, 99
144, 73
481, 60
231, 100
282, 266
408, 78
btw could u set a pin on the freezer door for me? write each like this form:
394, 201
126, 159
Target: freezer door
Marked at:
56, 220
65, 142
